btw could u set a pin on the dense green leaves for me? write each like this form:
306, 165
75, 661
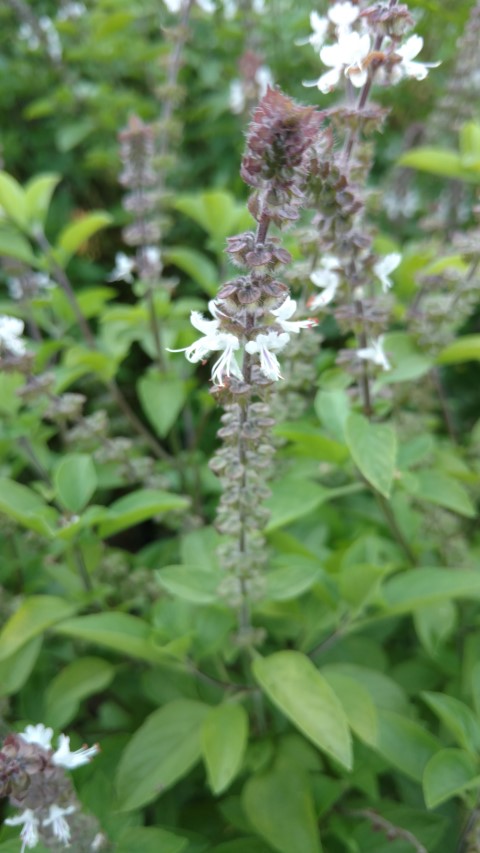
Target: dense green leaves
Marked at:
413, 589
294, 684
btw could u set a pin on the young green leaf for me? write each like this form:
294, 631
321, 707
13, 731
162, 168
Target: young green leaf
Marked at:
38, 195
162, 400
449, 773
294, 684
80, 679
75, 481
457, 717
374, 451
32, 618
162, 751
13, 201
224, 740
279, 805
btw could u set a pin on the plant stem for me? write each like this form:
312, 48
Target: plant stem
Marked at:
394, 527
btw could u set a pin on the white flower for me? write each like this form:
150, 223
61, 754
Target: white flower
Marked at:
39, 734
152, 255
11, 329
320, 27
343, 14
408, 68
326, 277
286, 311
29, 833
236, 98
345, 56
384, 267
122, 271
60, 827
266, 345
375, 353
70, 11
264, 80
174, 6
227, 364
63, 757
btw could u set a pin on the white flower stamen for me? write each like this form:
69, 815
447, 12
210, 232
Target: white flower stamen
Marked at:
29, 833
287, 310
63, 757
266, 345
56, 819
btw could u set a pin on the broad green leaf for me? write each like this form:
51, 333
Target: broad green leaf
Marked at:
15, 669
84, 360
437, 161
407, 745
26, 506
199, 547
438, 488
32, 618
75, 481
13, 201
196, 265
408, 362
73, 236
374, 451
38, 195
434, 624
292, 498
14, 245
457, 717
357, 704
292, 580
466, 348
294, 684
475, 686
279, 805
308, 441
137, 507
80, 679
241, 845
162, 751
420, 587
332, 407
224, 740
191, 583
10, 401
162, 400
447, 774
125, 634
149, 839
70, 134
383, 690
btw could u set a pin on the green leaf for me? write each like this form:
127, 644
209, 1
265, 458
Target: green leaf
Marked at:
469, 140
83, 678
279, 805
26, 506
121, 632
162, 751
332, 407
294, 497
15, 245
420, 587
149, 839
13, 201
224, 740
191, 583
38, 195
294, 684
196, 265
435, 624
15, 669
73, 236
374, 451
162, 400
457, 717
436, 161
448, 773
357, 704
75, 481
241, 845
32, 618
408, 362
70, 135
84, 360
308, 441
137, 507
293, 580
438, 488
405, 744
466, 348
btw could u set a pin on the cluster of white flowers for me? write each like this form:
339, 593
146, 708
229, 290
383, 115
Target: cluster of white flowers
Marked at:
266, 344
62, 757
52, 41
238, 96
38, 282
348, 55
11, 331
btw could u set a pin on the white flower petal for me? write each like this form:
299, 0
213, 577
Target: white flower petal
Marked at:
63, 757
39, 735
343, 14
